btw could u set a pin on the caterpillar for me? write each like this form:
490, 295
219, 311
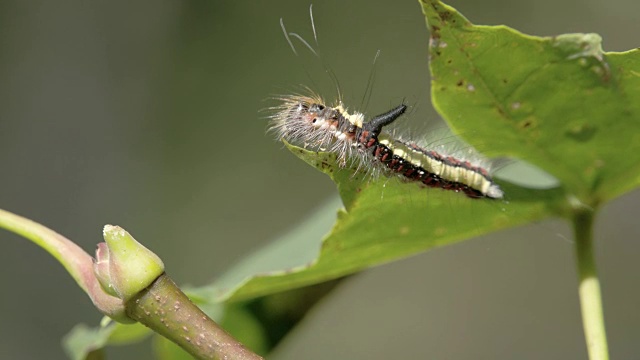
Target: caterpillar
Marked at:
306, 120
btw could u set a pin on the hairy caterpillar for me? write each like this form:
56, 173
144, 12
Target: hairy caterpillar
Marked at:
308, 121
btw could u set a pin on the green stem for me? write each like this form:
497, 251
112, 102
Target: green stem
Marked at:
590, 297
165, 309
162, 306
78, 263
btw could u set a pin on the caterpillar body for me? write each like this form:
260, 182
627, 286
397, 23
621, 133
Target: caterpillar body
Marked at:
308, 121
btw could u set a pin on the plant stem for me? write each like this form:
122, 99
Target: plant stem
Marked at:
165, 309
76, 261
590, 297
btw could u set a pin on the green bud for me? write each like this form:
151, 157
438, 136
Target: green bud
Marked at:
126, 267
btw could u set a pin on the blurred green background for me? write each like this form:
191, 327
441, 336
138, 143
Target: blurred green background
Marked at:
147, 115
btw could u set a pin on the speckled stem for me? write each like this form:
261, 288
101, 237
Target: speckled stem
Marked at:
165, 309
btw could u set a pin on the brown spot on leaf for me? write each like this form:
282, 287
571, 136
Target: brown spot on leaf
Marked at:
445, 15
435, 32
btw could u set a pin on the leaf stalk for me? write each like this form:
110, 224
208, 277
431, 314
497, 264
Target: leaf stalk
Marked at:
589, 287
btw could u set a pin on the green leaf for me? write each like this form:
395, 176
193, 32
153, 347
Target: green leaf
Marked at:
389, 219
82, 341
293, 251
560, 103
243, 325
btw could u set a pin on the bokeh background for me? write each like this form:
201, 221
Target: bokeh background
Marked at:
147, 114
